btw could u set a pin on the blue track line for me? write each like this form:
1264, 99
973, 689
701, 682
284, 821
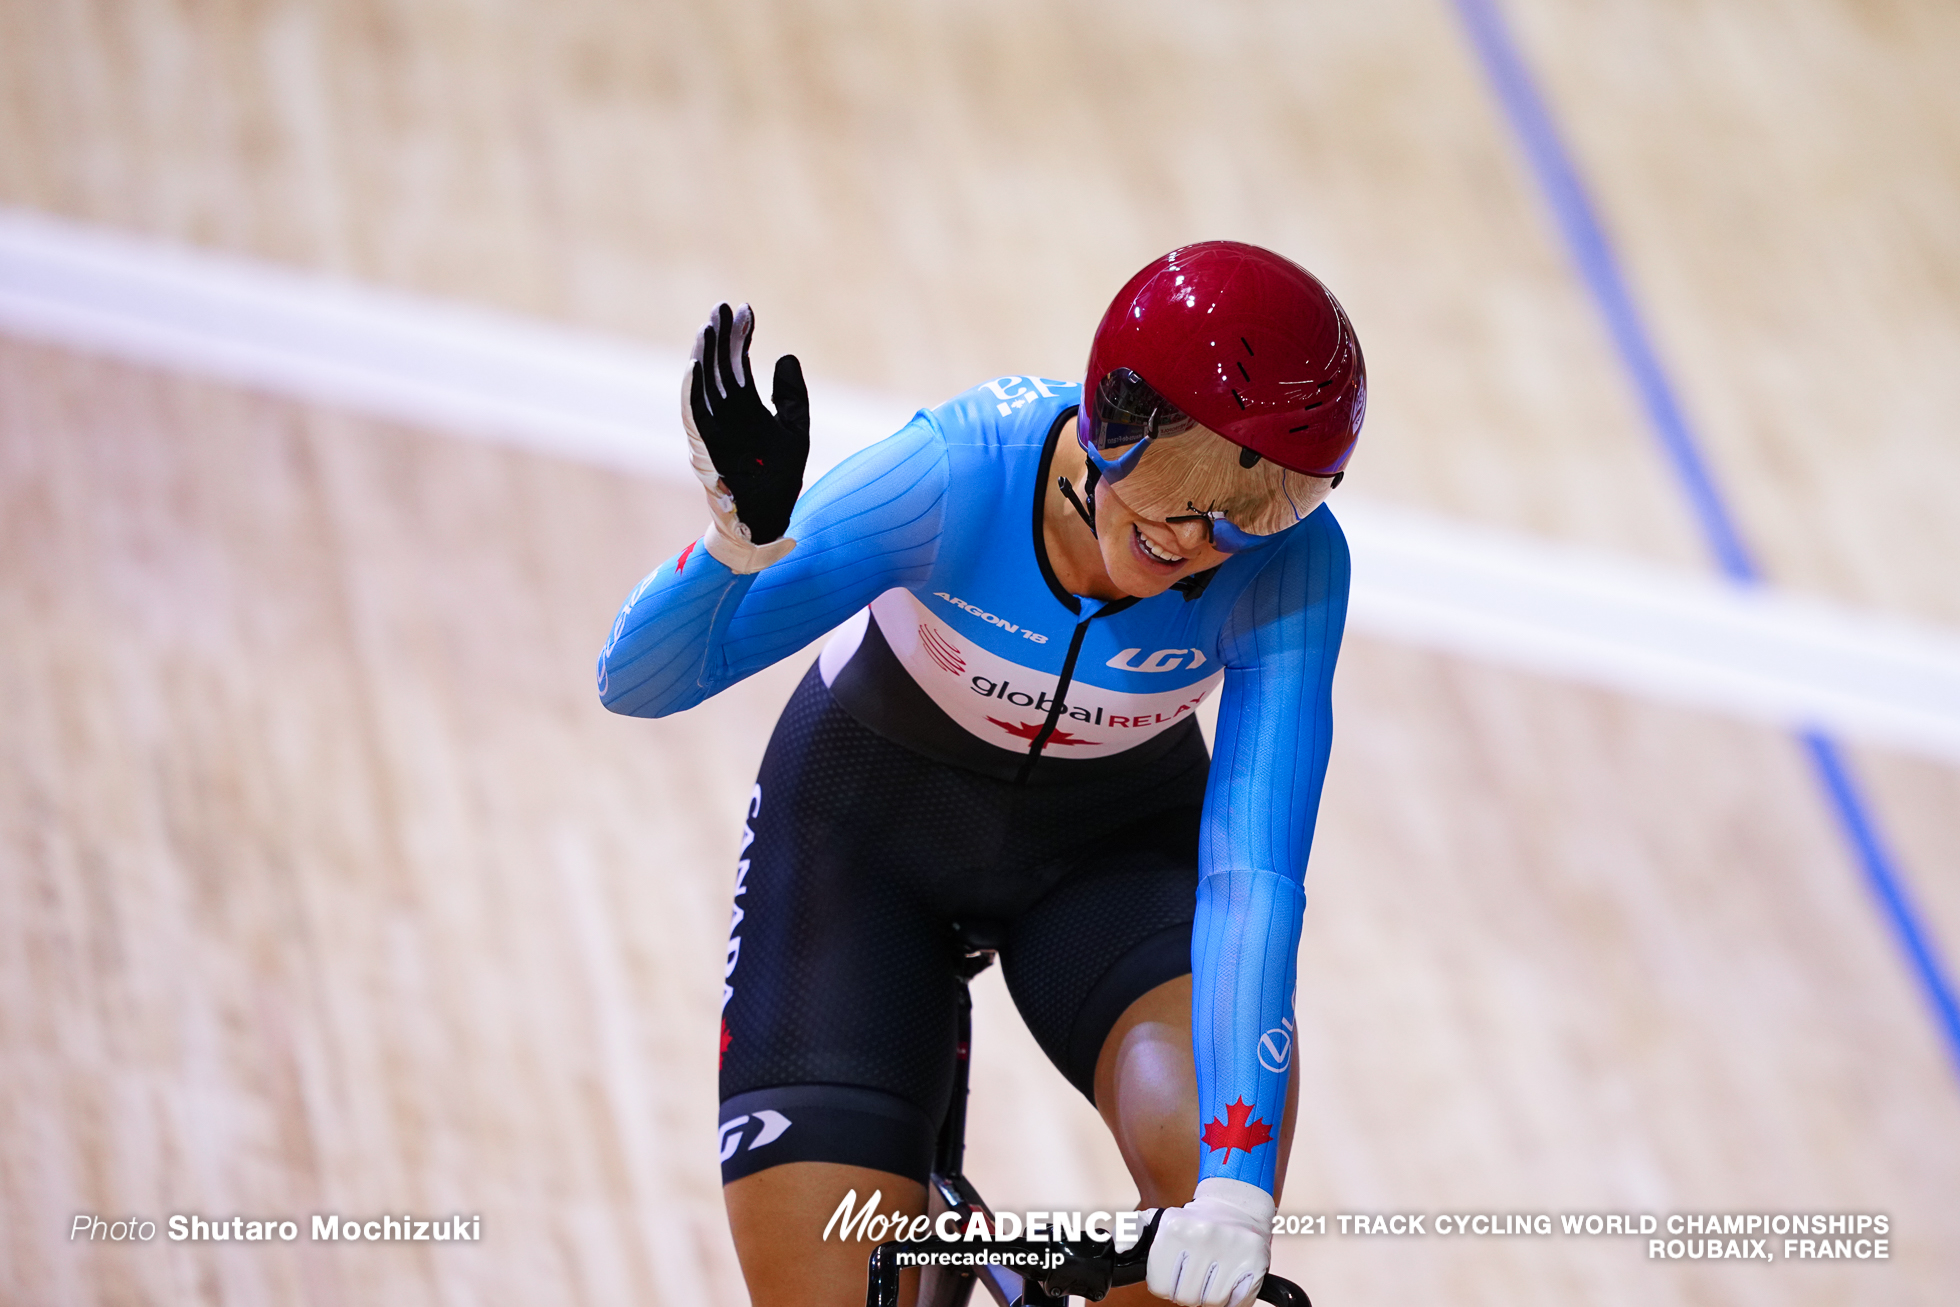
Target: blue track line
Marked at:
1586, 240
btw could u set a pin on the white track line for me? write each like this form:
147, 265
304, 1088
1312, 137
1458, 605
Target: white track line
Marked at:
1758, 653
1486, 594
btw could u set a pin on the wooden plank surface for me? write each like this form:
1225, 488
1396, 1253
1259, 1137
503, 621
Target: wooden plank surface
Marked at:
333, 889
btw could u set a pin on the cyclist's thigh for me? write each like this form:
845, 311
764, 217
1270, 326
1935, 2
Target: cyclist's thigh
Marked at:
1114, 928
838, 1012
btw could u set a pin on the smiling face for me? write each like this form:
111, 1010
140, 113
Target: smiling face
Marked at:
1145, 557
1131, 554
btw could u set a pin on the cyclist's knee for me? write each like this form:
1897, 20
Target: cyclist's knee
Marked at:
804, 1230
1147, 1092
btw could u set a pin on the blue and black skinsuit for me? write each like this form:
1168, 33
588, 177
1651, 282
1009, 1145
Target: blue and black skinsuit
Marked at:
924, 791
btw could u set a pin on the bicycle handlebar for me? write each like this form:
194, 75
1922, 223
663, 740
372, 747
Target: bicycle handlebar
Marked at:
1283, 1293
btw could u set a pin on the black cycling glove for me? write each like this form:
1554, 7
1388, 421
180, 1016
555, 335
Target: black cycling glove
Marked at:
757, 456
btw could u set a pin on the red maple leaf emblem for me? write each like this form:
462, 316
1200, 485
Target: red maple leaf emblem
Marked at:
1028, 730
726, 1040
1235, 1131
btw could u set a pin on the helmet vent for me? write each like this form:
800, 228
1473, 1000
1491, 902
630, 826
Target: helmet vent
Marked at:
1248, 345
1244, 373
1240, 398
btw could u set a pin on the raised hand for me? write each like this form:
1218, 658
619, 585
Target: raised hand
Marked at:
748, 459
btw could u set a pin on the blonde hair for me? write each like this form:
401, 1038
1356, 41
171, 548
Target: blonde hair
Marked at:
1198, 471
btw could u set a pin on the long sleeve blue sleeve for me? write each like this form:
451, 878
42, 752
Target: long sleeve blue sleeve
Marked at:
1274, 730
693, 628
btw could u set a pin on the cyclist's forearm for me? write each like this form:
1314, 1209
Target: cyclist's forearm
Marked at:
1243, 948
665, 652
694, 627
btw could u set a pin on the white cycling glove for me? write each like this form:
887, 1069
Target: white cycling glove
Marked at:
1215, 1249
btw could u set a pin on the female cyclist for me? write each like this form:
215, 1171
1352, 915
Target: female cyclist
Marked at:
1032, 588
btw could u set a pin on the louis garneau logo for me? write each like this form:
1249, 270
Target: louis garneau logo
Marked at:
1164, 660
1276, 1046
770, 1126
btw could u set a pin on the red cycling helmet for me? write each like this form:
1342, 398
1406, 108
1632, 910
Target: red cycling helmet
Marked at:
1241, 341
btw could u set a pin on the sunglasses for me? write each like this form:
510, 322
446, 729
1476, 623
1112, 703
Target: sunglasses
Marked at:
1126, 417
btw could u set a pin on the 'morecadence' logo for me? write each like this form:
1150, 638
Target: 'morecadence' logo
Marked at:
851, 1222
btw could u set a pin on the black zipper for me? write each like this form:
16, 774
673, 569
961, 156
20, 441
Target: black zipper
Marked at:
1061, 687
1071, 602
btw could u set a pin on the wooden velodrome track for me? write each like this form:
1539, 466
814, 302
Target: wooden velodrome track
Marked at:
329, 887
